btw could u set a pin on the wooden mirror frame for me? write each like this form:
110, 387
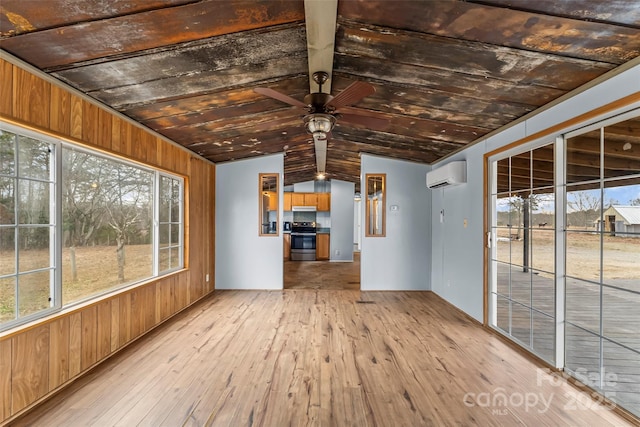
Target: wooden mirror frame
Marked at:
268, 201
370, 190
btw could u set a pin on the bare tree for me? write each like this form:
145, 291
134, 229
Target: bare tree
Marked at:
584, 206
84, 201
128, 197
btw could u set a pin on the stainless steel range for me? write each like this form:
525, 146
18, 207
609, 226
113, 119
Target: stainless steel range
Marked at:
303, 241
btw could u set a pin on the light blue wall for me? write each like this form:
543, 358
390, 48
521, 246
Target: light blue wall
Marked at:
458, 256
304, 187
456, 247
244, 260
402, 259
341, 238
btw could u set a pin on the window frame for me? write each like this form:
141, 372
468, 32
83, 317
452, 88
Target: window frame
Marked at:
493, 295
56, 224
157, 223
54, 174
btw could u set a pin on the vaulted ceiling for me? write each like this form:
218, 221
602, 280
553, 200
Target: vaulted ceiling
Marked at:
445, 72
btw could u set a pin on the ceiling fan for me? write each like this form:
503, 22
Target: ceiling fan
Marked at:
324, 110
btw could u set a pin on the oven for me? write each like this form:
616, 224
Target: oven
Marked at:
303, 242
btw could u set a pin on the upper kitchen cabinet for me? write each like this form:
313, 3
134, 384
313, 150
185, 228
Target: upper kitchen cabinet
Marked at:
321, 201
297, 199
273, 200
287, 201
324, 201
310, 199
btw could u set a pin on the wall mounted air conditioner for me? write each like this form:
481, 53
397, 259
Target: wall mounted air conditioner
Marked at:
452, 173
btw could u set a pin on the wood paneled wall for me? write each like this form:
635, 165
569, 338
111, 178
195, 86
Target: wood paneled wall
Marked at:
40, 358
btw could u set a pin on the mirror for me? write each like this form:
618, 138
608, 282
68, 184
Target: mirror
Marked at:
268, 200
376, 201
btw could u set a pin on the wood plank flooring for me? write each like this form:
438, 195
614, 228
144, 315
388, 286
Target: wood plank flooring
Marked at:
319, 358
322, 274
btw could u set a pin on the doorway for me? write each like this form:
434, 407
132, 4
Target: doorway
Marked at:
337, 262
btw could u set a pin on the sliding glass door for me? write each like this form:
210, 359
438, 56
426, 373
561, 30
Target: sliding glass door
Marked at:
564, 267
603, 260
523, 250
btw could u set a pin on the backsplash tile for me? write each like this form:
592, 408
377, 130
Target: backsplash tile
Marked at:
304, 217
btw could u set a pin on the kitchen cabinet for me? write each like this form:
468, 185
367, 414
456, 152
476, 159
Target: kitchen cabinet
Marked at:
320, 201
297, 199
324, 201
287, 246
287, 201
322, 246
273, 200
311, 199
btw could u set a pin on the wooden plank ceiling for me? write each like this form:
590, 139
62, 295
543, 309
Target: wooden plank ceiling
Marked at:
445, 72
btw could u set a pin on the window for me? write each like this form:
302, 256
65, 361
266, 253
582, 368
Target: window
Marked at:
75, 224
268, 190
376, 200
170, 224
27, 236
107, 216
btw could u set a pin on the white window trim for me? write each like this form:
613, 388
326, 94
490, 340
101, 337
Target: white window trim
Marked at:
56, 226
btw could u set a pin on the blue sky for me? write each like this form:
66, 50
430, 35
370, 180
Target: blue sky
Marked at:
619, 195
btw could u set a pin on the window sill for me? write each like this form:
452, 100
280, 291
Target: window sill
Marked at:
84, 304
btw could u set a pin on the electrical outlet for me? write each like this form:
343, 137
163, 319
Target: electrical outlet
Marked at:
337, 251
206, 278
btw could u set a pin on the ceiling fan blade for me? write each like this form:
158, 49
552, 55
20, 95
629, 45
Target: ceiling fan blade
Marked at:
373, 123
320, 143
279, 96
352, 94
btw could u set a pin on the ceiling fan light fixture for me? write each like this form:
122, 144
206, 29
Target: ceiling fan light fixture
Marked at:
319, 123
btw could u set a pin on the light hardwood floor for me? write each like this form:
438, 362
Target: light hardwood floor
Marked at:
322, 274
319, 358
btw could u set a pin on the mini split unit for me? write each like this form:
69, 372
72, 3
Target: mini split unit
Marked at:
452, 173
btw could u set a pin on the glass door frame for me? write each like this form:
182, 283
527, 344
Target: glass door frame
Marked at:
559, 241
